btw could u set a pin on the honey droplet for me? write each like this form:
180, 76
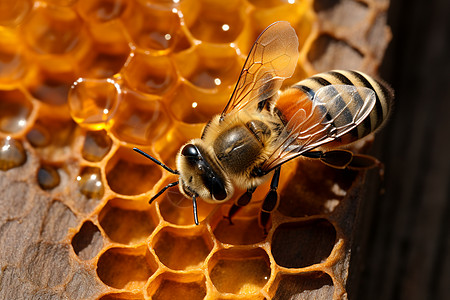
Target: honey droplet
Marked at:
93, 102
90, 183
12, 154
48, 177
96, 145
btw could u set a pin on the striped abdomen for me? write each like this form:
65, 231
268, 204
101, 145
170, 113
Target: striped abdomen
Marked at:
374, 120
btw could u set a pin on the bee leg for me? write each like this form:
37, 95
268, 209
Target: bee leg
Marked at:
338, 159
194, 206
242, 201
270, 201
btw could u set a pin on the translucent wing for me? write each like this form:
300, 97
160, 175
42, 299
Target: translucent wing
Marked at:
334, 111
272, 58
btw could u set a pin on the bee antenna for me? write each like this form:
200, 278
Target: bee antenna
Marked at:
156, 161
162, 191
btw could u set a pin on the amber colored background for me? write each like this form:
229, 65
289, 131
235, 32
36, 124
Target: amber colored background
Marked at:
407, 249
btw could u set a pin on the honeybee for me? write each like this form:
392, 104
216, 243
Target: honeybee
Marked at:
262, 128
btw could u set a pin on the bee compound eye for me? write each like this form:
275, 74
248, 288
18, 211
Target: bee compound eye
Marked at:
189, 150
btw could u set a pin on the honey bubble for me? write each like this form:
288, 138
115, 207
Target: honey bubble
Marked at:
93, 102
140, 120
90, 183
15, 109
12, 13
12, 154
48, 177
150, 74
96, 145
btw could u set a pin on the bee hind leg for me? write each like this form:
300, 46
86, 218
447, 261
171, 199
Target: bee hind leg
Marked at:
270, 201
241, 202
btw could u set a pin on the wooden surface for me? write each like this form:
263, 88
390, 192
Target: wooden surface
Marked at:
406, 254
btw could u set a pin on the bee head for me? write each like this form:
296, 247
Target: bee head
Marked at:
200, 175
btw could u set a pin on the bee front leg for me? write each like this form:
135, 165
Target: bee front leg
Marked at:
270, 201
242, 201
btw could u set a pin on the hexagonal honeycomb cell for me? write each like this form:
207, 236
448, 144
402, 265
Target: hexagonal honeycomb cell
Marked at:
83, 82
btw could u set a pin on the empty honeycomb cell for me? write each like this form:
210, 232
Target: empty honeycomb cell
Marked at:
169, 286
126, 224
93, 102
13, 13
243, 231
215, 21
88, 241
310, 285
309, 194
210, 66
182, 249
129, 173
122, 296
90, 183
342, 13
193, 105
160, 34
126, 268
329, 53
177, 209
38, 136
140, 119
96, 145
13, 62
48, 177
239, 271
302, 244
150, 74
12, 154
52, 29
15, 109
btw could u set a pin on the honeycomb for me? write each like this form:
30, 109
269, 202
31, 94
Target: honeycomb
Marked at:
82, 82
